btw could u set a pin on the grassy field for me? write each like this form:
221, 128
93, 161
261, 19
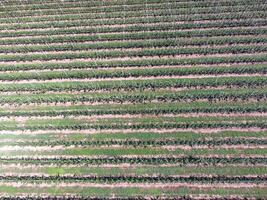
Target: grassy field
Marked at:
133, 99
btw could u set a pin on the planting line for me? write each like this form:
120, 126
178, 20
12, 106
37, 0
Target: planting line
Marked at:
132, 40
133, 49
159, 12
78, 8
25, 150
128, 131
129, 116
107, 24
140, 32
133, 185
131, 78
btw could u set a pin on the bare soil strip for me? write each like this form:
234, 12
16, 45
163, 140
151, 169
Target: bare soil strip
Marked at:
133, 185
93, 118
28, 149
125, 131
122, 166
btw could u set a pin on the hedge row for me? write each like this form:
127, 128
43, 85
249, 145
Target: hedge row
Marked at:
138, 143
141, 85
135, 53
137, 63
140, 13
137, 97
133, 36
138, 179
101, 7
128, 21
156, 110
155, 43
148, 72
187, 160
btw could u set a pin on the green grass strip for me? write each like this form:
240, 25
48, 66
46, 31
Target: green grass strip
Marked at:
140, 170
134, 191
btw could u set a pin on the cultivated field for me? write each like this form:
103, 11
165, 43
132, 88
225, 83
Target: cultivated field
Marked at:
137, 99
